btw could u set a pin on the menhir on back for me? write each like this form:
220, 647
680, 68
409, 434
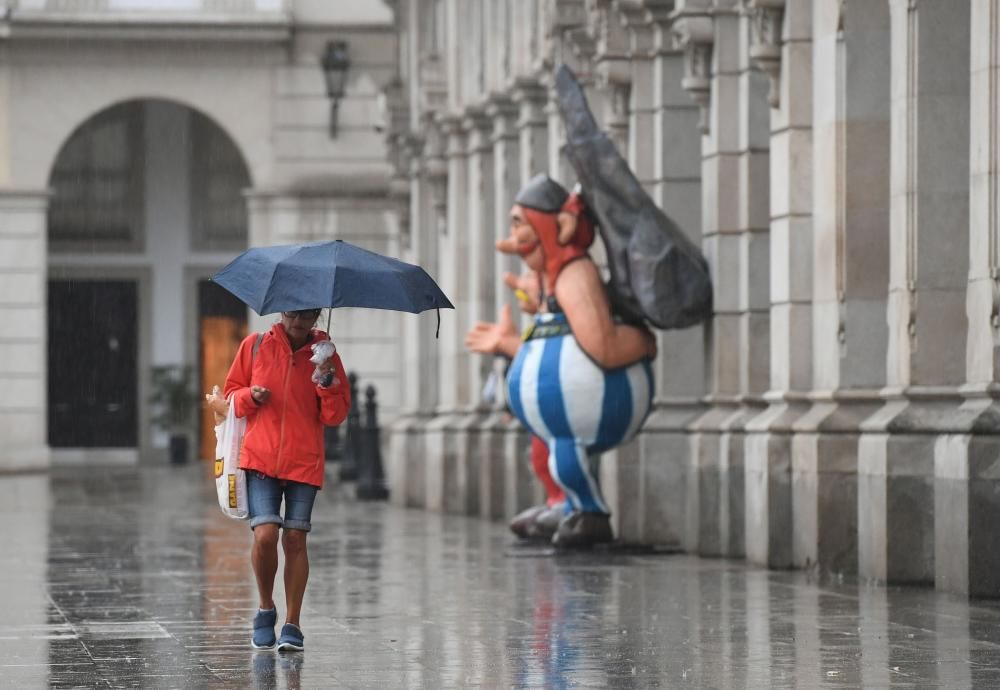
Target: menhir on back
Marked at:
657, 274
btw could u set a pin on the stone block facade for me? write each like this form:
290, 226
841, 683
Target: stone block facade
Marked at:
251, 68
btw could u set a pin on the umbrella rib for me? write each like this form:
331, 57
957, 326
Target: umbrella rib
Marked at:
270, 284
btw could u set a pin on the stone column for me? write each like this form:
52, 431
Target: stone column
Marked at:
405, 458
478, 234
444, 480
452, 250
506, 180
850, 275
781, 46
628, 124
966, 507
23, 328
521, 488
709, 42
532, 126
675, 184
645, 480
928, 273
765, 506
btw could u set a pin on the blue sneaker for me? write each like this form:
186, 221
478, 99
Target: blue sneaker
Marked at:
263, 629
292, 639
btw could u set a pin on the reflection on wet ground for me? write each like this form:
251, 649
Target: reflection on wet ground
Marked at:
133, 578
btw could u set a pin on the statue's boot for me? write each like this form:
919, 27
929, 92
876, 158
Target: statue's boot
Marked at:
547, 522
580, 530
523, 523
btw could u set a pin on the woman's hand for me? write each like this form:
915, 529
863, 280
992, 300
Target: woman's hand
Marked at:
325, 374
217, 404
260, 394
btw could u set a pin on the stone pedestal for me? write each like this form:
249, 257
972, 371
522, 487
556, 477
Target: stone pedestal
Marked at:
967, 502
715, 481
462, 464
23, 326
620, 484
440, 461
405, 462
896, 462
769, 484
825, 483
488, 453
521, 488
664, 452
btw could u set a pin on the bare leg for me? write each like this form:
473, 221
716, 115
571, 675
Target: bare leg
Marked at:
296, 572
264, 557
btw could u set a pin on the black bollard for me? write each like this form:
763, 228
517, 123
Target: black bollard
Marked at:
371, 479
352, 445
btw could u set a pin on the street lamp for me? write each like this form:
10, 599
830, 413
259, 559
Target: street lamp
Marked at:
336, 62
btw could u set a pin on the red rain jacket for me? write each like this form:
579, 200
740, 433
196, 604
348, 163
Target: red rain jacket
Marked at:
284, 436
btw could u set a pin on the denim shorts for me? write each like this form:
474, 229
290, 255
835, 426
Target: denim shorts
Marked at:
264, 498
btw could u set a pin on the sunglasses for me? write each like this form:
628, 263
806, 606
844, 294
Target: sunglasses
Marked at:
308, 314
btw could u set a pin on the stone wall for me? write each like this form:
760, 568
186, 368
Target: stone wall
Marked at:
835, 160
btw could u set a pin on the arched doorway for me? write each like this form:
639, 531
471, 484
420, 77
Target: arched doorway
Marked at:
147, 202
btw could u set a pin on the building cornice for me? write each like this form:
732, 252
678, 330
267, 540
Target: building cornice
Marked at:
173, 30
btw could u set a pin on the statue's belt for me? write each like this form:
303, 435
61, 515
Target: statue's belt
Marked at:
546, 330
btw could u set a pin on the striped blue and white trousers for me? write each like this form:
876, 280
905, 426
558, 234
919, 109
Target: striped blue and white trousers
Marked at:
578, 408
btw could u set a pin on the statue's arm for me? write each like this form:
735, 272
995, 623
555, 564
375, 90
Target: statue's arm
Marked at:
582, 296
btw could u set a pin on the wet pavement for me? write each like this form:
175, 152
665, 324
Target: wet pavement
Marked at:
127, 578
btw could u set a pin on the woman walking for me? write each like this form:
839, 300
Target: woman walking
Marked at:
273, 386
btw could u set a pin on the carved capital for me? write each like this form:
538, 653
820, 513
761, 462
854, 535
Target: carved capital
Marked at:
478, 128
637, 19
633, 13
503, 111
694, 33
435, 164
453, 135
568, 13
659, 11
530, 97
766, 21
611, 42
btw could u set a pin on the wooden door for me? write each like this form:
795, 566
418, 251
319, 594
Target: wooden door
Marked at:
222, 326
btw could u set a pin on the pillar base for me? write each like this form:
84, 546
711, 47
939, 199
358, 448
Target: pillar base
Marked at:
440, 461
715, 510
404, 460
967, 503
664, 456
825, 482
768, 521
26, 459
521, 488
489, 454
896, 458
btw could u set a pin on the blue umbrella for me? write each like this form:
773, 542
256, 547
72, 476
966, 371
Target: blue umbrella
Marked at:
328, 274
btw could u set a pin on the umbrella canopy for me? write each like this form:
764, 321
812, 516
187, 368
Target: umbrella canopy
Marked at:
328, 274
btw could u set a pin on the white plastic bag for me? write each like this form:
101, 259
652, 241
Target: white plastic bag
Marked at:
230, 480
322, 351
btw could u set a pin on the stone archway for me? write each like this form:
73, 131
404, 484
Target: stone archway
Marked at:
147, 201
